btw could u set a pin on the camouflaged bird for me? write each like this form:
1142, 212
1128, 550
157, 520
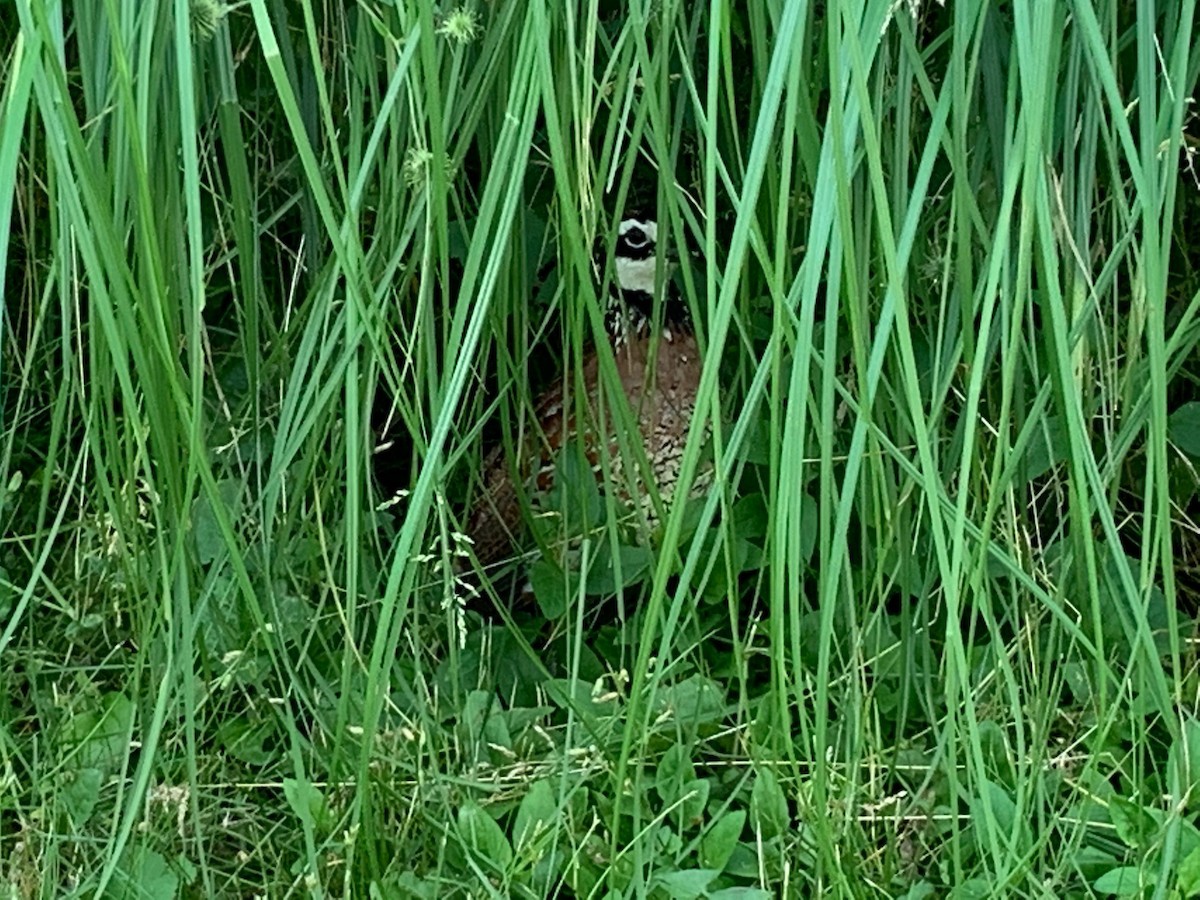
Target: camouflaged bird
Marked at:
660, 383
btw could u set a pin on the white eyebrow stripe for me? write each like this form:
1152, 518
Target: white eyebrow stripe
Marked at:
648, 226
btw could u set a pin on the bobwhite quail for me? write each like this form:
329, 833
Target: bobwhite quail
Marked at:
660, 383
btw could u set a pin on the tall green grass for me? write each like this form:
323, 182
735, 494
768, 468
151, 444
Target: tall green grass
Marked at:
930, 632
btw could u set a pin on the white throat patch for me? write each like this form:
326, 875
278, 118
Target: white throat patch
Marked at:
636, 274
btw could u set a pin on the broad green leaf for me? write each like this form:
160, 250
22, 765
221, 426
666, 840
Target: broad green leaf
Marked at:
495, 729
685, 884
248, 741
521, 718
1077, 678
768, 804
809, 520
292, 615
1183, 428
407, 885
568, 693
695, 799
80, 793
1092, 862
575, 493
210, 543
549, 584
918, 891
1188, 882
154, 877
102, 736
1189, 837
1185, 758
602, 575
750, 516
694, 701
668, 842
719, 842
757, 446
972, 889
471, 718
745, 861
537, 812
674, 769
483, 836
148, 877
1003, 809
1123, 881
738, 555
307, 802
1135, 825
1047, 447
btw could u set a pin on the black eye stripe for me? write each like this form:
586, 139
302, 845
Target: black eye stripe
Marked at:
635, 244
641, 251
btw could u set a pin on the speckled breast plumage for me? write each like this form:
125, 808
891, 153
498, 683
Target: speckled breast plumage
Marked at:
661, 391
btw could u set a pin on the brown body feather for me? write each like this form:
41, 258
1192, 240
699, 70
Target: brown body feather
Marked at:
660, 384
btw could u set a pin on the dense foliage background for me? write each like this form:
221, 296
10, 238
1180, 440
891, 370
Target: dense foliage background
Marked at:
274, 277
